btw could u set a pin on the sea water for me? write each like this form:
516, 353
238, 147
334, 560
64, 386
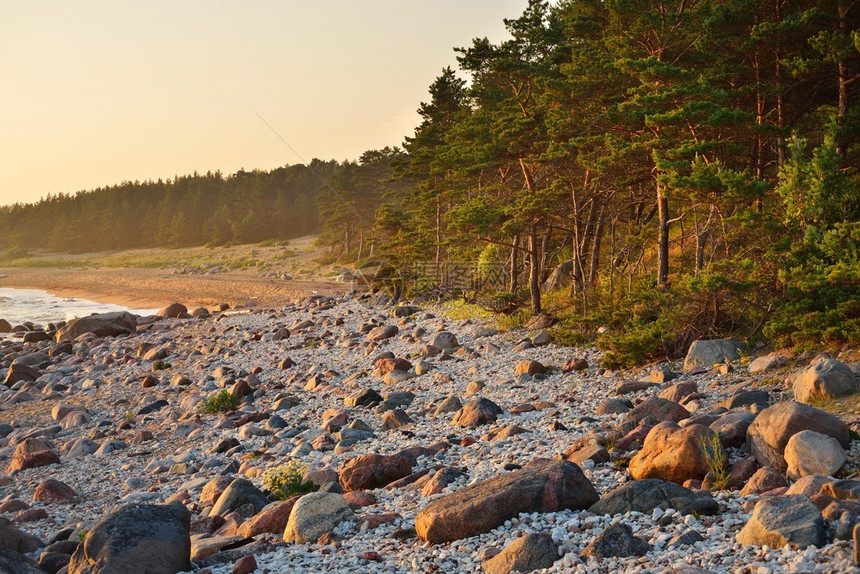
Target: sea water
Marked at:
40, 307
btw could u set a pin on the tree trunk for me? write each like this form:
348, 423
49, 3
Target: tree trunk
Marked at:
347, 239
701, 240
842, 108
513, 284
438, 259
534, 270
595, 250
544, 252
662, 236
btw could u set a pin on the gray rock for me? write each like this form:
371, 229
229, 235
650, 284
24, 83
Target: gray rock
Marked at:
15, 563
614, 407
646, 495
533, 551
809, 452
315, 514
449, 405
80, 448
617, 541
240, 492
732, 428
768, 434
17, 540
136, 538
780, 520
110, 446
445, 340
767, 363
686, 538
746, 398
706, 353
823, 379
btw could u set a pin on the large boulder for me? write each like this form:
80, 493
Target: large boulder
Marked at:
824, 378
809, 452
101, 325
478, 412
11, 538
370, 471
763, 480
706, 353
31, 453
445, 340
780, 520
677, 454
534, 551
315, 514
382, 332
15, 563
657, 409
646, 495
542, 486
768, 434
238, 493
732, 427
136, 538
271, 519
767, 363
173, 310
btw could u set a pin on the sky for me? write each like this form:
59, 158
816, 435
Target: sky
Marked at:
96, 92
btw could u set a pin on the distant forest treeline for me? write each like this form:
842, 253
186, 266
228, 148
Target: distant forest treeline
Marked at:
687, 168
199, 209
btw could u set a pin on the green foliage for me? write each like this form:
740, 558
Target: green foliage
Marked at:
160, 365
193, 210
285, 480
221, 402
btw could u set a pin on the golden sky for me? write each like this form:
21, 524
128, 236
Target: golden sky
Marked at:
94, 92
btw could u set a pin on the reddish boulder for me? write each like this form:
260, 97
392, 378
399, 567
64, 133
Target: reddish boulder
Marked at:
542, 486
477, 412
173, 310
529, 368
675, 454
32, 453
272, 518
370, 471
657, 409
54, 491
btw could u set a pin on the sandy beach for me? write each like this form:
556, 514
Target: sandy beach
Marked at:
145, 288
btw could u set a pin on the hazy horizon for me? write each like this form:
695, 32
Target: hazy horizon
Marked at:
101, 92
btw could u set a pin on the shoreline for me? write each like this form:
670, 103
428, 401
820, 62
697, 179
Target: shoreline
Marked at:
156, 288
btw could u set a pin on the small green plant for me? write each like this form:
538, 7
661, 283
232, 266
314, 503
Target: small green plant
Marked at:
715, 460
83, 534
285, 480
220, 403
160, 365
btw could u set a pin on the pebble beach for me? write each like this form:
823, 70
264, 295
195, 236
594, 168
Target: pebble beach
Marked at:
123, 417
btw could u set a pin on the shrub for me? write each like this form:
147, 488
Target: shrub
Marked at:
285, 480
715, 461
160, 365
220, 403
